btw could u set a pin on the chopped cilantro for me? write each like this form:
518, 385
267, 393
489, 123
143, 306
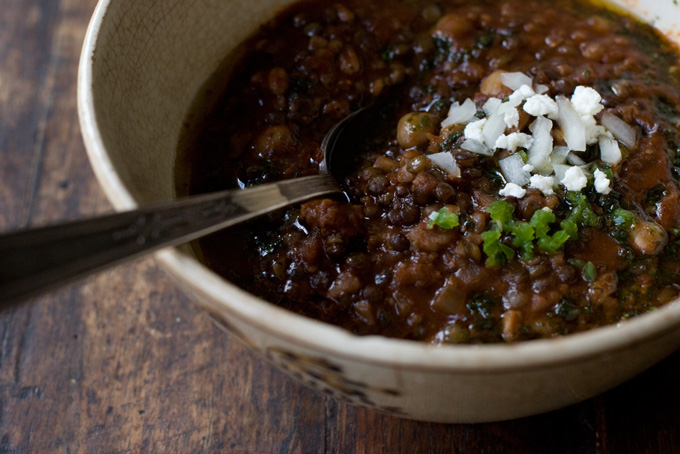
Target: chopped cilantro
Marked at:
482, 305
387, 54
450, 140
486, 39
444, 219
623, 217
567, 310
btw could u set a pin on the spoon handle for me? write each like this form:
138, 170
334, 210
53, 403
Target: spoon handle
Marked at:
36, 259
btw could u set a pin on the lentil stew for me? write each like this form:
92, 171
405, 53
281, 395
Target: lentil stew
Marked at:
526, 186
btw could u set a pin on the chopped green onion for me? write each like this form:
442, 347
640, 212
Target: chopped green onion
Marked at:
571, 227
501, 212
553, 243
444, 219
589, 272
524, 239
496, 252
541, 221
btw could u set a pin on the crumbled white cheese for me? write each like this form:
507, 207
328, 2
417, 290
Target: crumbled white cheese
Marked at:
574, 179
586, 101
512, 190
602, 182
539, 105
542, 183
528, 168
514, 140
593, 130
510, 115
473, 130
519, 95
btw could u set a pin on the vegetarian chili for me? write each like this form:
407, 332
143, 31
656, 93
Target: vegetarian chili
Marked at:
525, 186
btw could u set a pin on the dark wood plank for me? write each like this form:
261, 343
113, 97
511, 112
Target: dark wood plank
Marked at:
25, 32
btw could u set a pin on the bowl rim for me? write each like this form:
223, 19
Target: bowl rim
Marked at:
321, 337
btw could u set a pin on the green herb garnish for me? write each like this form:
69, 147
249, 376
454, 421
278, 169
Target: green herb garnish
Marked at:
496, 252
589, 272
443, 218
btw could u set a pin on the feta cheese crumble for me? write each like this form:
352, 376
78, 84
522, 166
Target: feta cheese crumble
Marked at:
514, 140
541, 105
574, 179
474, 129
602, 182
512, 190
586, 101
542, 183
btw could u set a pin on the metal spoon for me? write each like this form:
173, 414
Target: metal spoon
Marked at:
36, 259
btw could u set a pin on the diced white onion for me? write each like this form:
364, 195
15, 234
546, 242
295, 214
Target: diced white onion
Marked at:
571, 124
476, 146
561, 171
491, 106
623, 132
460, 113
609, 150
446, 162
539, 152
515, 80
575, 159
494, 128
513, 170
559, 155
540, 89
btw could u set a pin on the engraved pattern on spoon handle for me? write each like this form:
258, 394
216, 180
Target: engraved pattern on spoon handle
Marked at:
37, 259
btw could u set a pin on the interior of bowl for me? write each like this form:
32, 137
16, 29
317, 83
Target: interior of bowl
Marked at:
143, 63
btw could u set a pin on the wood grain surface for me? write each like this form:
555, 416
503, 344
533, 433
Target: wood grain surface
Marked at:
124, 363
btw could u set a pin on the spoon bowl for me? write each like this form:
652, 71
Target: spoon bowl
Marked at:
134, 94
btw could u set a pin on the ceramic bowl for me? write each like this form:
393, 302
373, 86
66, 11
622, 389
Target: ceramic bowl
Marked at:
143, 62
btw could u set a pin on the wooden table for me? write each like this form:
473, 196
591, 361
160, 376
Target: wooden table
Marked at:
124, 363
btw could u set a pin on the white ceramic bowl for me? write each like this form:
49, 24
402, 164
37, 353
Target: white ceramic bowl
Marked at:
143, 62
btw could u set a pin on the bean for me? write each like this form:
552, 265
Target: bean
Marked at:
398, 242
445, 192
278, 80
413, 129
349, 61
